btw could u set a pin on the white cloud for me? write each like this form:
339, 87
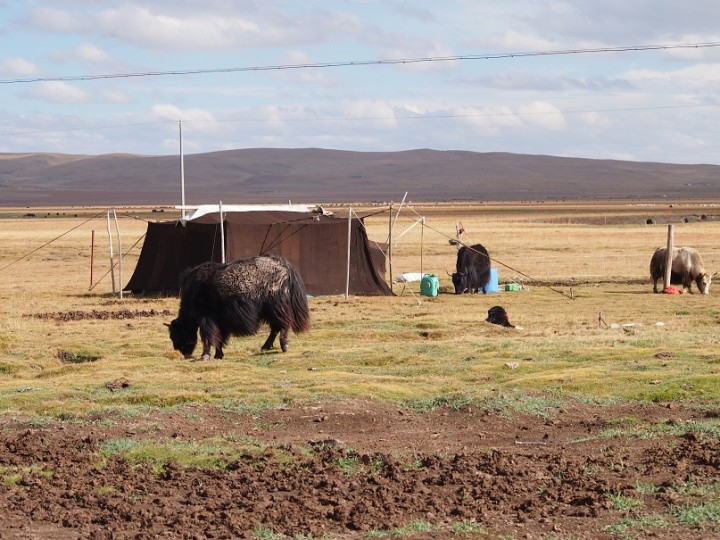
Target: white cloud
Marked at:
198, 26
18, 67
201, 118
57, 92
91, 53
542, 114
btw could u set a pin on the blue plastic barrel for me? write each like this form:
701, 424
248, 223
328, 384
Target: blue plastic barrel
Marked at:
493, 285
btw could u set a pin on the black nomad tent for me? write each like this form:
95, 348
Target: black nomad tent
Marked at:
316, 243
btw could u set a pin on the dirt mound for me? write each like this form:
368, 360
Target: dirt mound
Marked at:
97, 314
343, 469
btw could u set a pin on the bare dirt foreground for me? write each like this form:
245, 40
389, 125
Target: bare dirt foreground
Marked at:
352, 469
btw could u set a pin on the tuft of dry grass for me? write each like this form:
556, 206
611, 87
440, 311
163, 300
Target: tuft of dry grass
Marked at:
407, 348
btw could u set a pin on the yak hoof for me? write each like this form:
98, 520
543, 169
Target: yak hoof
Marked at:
219, 355
205, 356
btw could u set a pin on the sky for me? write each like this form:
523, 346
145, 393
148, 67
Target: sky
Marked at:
63, 83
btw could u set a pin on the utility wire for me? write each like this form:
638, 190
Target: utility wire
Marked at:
354, 63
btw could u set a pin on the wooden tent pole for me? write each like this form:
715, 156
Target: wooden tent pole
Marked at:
222, 235
390, 226
120, 254
92, 257
422, 238
110, 247
668, 257
349, 238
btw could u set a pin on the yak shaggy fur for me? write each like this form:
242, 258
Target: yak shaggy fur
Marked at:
687, 266
234, 299
472, 269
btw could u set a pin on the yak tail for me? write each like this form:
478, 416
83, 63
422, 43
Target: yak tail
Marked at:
298, 301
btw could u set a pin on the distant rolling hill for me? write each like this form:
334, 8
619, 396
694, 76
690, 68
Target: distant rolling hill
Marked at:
312, 175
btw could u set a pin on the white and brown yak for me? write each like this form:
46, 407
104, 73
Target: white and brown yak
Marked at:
687, 266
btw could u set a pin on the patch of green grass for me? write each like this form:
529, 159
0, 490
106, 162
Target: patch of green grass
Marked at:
117, 446
690, 489
456, 403
265, 533
412, 527
240, 406
624, 503
631, 527
12, 476
8, 369
209, 454
465, 528
353, 464
698, 515
642, 487
509, 403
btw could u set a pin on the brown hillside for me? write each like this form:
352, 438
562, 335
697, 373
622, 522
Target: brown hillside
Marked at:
317, 175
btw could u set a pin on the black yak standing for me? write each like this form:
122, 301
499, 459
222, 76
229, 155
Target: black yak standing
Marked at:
472, 270
234, 299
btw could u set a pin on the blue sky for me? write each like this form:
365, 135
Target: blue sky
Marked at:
638, 105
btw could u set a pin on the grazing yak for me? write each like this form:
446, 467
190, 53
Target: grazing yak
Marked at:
687, 266
234, 299
472, 270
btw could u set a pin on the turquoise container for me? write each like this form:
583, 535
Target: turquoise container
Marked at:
493, 286
429, 285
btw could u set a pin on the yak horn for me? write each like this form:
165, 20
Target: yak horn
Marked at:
167, 324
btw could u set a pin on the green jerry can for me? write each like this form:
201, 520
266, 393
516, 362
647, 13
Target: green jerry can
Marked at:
429, 285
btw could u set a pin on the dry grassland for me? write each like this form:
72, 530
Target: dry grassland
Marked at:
408, 348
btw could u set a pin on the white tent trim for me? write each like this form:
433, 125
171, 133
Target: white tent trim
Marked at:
204, 209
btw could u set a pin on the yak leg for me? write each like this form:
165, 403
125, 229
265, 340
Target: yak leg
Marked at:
270, 341
219, 355
206, 349
284, 339
210, 336
655, 286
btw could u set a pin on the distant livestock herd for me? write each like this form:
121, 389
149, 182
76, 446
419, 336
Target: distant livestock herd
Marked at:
223, 300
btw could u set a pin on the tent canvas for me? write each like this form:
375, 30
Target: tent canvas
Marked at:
315, 243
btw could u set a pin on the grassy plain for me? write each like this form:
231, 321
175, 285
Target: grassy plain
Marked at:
408, 348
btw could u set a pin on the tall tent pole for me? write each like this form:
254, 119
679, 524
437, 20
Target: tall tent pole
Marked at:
182, 172
347, 275
389, 242
222, 235
120, 254
422, 238
110, 246
668, 257
92, 257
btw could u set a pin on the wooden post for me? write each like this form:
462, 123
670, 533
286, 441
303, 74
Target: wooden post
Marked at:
390, 249
92, 256
110, 247
349, 239
120, 255
668, 257
222, 234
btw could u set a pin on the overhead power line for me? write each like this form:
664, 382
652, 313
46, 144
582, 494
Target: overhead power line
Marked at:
347, 63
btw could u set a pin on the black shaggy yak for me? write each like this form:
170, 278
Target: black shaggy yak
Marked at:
687, 266
224, 300
472, 270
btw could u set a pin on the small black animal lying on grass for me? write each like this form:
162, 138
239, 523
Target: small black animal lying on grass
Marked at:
498, 315
223, 300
